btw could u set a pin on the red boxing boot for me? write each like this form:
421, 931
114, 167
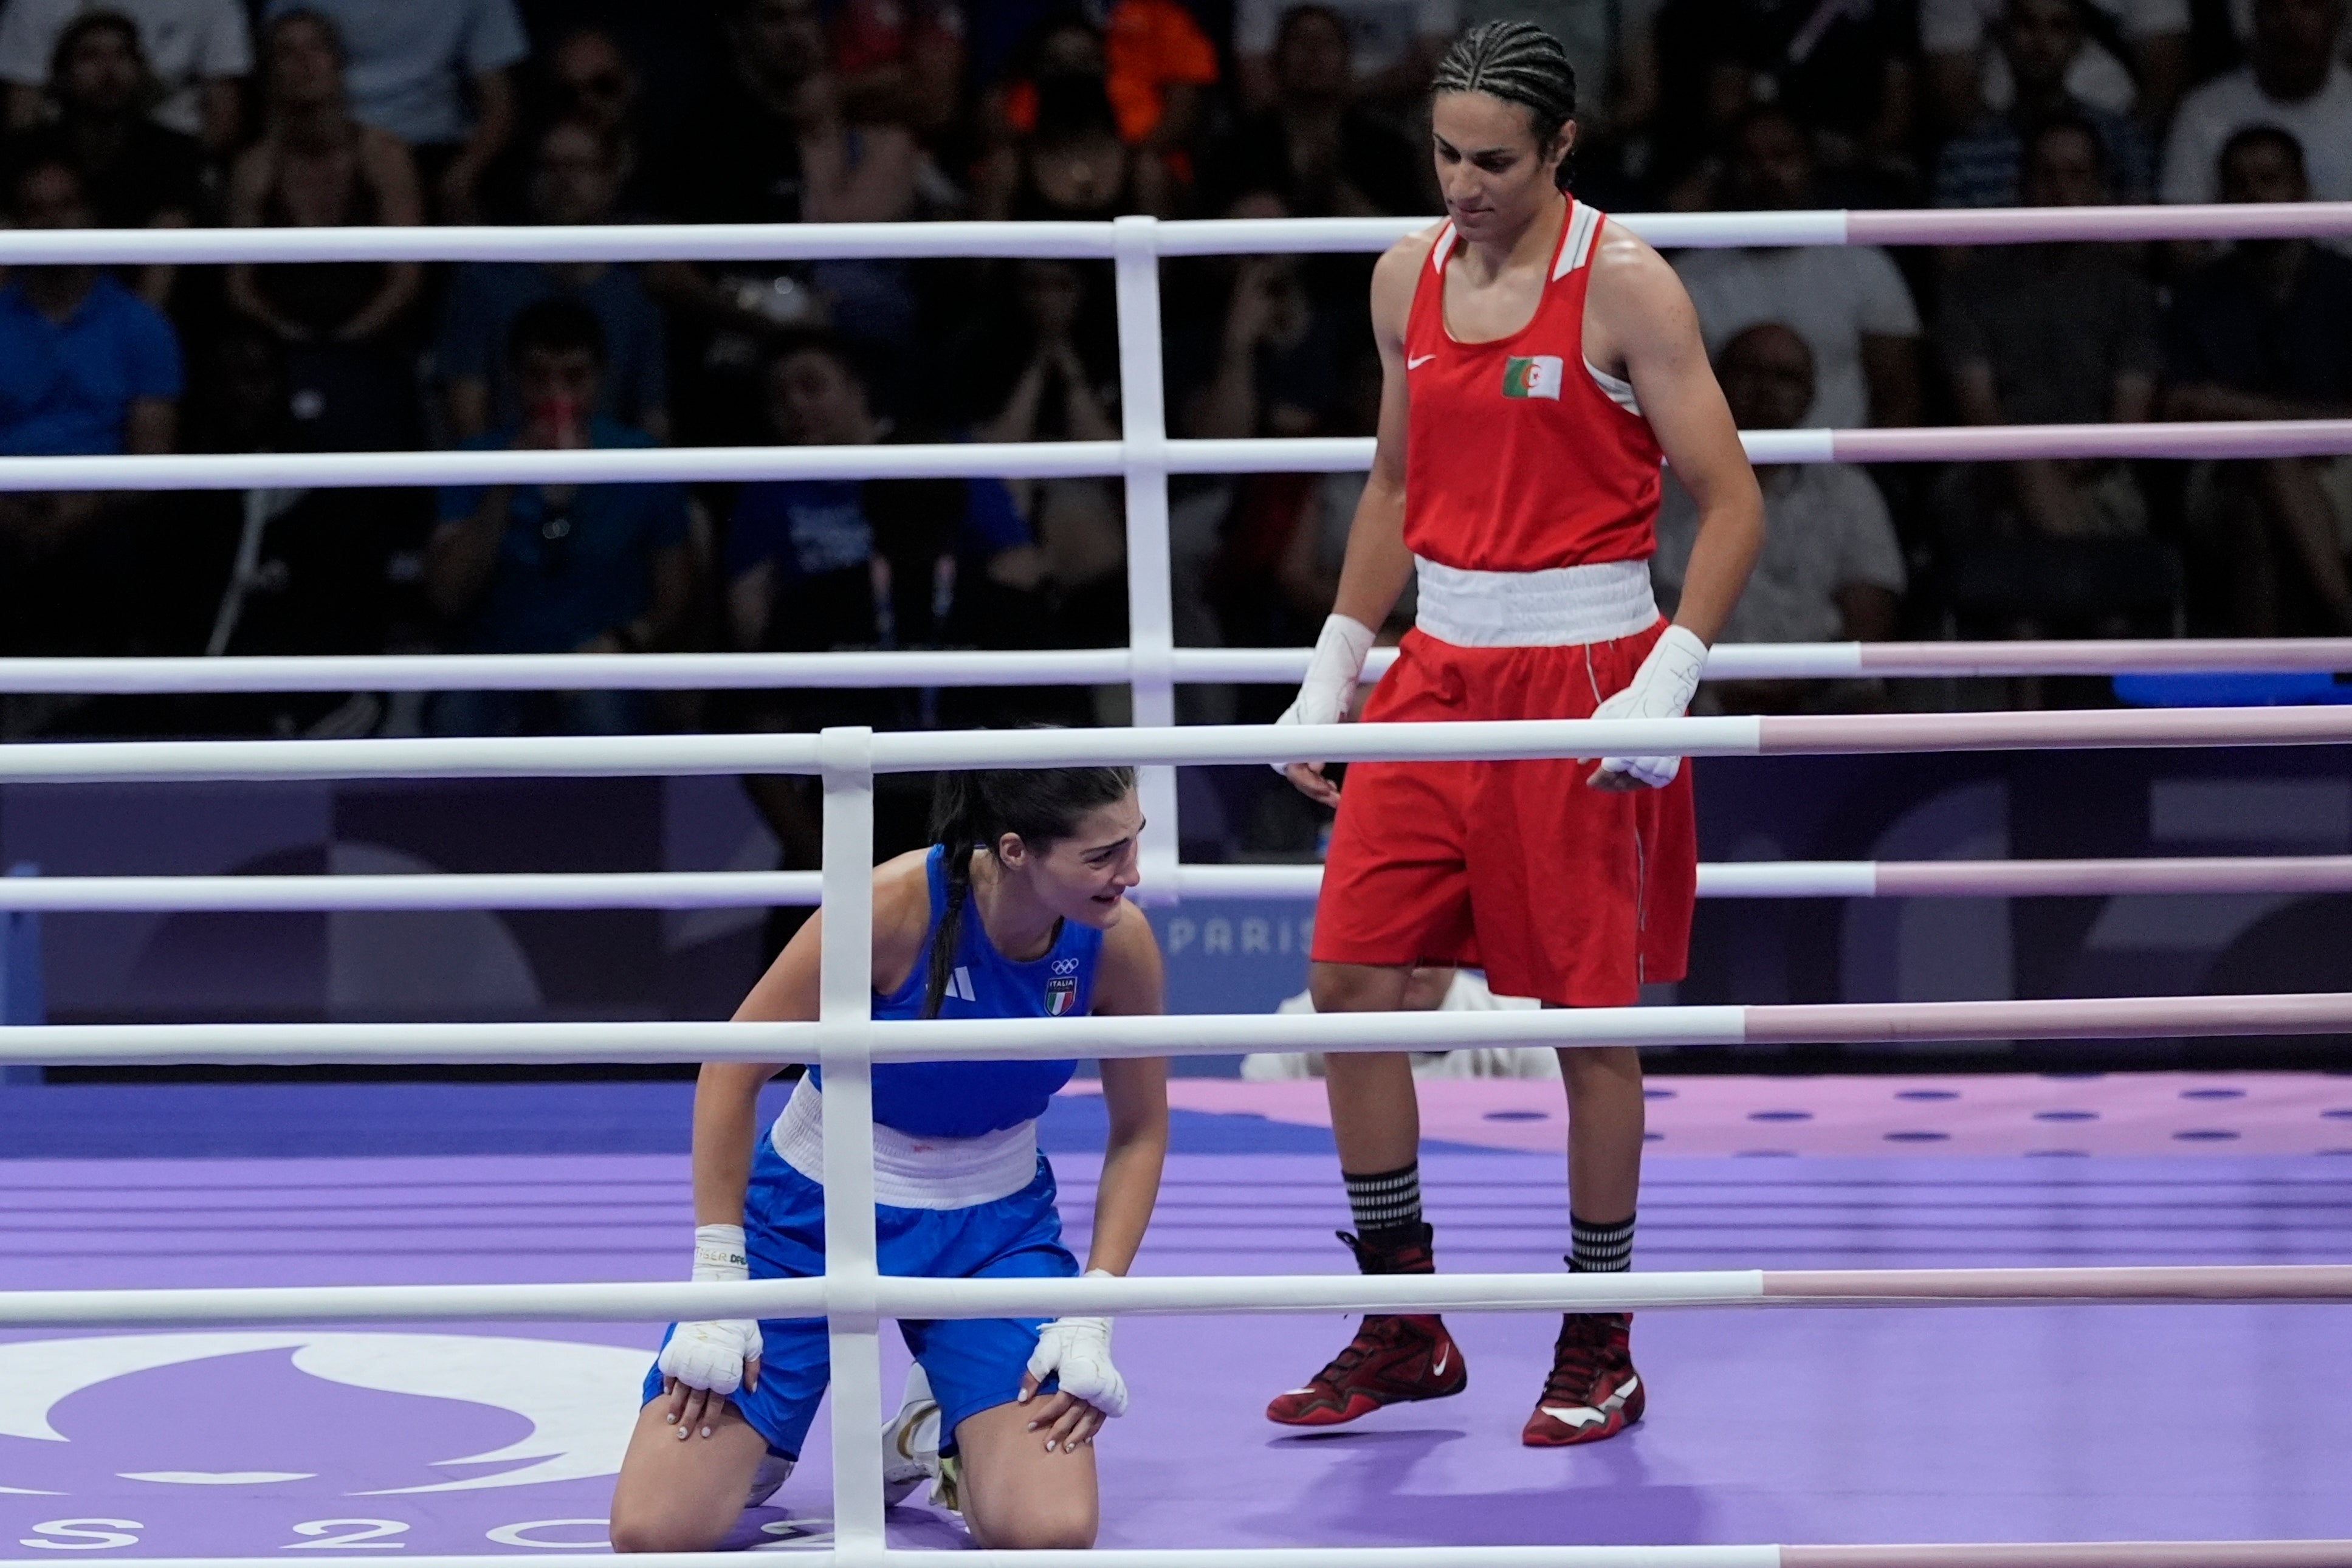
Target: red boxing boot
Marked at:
1593, 1392
1391, 1360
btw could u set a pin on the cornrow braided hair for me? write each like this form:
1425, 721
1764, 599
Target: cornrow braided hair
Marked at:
973, 811
1520, 63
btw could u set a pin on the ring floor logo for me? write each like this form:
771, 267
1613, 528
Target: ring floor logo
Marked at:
224, 1443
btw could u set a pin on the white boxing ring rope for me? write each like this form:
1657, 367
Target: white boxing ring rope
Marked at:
748, 889
848, 1041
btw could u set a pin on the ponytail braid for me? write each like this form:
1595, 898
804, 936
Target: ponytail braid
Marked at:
1520, 63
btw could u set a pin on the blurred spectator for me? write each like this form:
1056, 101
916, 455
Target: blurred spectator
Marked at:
900, 60
1058, 149
2053, 334
1396, 45
591, 81
1848, 302
573, 179
2061, 335
1151, 61
1043, 366
1831, 570
1278, 365
2265, 333
135, 172
816, 565
2136, 60
316, 166
297, 571
822, 563
86, 366
435, 74
2041, 40
1842, 72
2291, 80
1314, 146
557, 568
792, 156
198, 53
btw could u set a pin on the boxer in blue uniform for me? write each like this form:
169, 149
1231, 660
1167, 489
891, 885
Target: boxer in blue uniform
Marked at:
1017, 910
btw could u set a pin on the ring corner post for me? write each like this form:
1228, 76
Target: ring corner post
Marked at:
845, 1013
22, 1001
1150, 610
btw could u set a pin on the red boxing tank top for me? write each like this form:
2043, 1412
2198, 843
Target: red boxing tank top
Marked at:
1516, 458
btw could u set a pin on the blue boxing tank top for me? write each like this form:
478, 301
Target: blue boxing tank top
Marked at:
966, 1099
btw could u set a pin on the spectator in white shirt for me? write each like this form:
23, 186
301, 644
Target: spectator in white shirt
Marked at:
2137, 62
2293, 81
1832, 568
199, 52
1848, 302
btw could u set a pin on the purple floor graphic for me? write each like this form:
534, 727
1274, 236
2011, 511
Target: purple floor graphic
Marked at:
1791, 1425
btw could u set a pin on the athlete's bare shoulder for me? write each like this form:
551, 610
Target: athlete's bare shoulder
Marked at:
902, 915
1624, 263
1637, 301
1395, 276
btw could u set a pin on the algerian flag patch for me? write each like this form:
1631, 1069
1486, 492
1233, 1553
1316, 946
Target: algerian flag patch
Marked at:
1532, 375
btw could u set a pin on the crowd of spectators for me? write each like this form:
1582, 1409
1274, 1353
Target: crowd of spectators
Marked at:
151, 114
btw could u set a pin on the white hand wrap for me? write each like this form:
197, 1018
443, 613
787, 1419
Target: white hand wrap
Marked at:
1331, 675
1662, 689
714, 1355
1078, 1352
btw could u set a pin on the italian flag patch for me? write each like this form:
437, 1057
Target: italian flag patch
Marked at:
1534, 375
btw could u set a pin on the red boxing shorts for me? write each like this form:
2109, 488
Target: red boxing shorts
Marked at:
1571, 895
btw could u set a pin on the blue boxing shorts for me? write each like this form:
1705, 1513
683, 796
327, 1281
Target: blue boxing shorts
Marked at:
973, 1364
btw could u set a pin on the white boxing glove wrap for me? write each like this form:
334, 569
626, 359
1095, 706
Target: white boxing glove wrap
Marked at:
1077, 1351
1331, 675
1662, 689
714, 1355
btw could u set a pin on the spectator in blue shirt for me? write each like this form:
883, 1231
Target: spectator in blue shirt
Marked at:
434, 73
86, 367
557, 568
573, 179
1984, 165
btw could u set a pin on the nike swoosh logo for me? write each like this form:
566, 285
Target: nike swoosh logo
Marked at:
1417, 363
1585, 1415
1437, 1367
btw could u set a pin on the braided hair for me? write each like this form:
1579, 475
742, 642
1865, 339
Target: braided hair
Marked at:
975, 810
1520, 63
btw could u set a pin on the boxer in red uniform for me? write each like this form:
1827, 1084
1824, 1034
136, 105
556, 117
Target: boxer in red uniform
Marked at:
1538, 362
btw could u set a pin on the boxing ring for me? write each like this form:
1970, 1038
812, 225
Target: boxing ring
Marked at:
847, 1042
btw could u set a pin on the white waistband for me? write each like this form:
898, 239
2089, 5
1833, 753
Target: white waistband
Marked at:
1566, 605
911, 1172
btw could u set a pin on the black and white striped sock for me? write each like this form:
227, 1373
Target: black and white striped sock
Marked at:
1600, 1248
1386, 1200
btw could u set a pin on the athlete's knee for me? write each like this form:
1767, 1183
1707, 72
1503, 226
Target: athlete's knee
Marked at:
635, 1530
1357, 987
1044, 1524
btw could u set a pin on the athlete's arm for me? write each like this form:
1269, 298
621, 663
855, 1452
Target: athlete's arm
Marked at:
1130, 982
1077, 1351
726, 1094
1647, 328
1378, 565
704, 1360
